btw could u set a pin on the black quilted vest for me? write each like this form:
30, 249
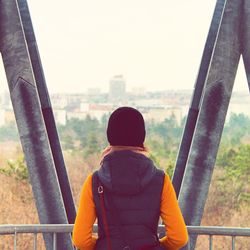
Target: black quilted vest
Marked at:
134, 185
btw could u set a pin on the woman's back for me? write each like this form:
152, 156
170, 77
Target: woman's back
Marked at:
132, 191
128, 194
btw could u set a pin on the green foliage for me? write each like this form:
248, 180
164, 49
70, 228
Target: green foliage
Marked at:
234, 160
235, 183
16, 168
68, 141
225, 156
236, 129
87, 138
164, 138
239, 161
170, 168
9, 132
87, 135
93, 144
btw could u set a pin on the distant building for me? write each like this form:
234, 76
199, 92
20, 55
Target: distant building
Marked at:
60, 116
117, 89
76, 115
95, 110
138, 91
160, 114
99, 110
59, 101
93, 91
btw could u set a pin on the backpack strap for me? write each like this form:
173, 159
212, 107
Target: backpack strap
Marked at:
97, 184
102, 192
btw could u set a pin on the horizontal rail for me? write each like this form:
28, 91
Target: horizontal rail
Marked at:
67, 228
209, 230
35, 228
55, 229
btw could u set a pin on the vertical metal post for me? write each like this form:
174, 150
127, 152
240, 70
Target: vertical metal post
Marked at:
30, 122
196, 99
210, 122
35, 241
54, 241
47, 111
210, 242
15, 240
233, 242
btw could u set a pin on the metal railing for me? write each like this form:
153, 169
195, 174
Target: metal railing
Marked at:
219, 231
35, 229
55, 229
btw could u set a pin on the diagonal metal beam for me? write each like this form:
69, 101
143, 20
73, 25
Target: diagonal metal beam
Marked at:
211, 119
47, 111
30, 122
245, 38
197, 94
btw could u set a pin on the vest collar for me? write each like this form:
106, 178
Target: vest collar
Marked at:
126, 172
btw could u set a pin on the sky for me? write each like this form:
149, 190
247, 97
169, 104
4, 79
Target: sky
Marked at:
154, 44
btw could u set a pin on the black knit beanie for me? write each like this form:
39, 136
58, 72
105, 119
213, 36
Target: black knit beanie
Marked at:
126, 127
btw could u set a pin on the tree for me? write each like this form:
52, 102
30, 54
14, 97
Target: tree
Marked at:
93, 145
235, 181
9, 132
237, 127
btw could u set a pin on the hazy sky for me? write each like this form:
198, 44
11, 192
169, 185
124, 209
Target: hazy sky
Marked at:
156, 44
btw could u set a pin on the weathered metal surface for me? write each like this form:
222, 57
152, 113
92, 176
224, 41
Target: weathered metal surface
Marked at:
245, 37
210, 122
30, 122
47, 111
196, 99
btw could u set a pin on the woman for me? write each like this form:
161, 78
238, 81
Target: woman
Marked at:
128, 194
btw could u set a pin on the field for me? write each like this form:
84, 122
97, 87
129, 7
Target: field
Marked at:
17, 203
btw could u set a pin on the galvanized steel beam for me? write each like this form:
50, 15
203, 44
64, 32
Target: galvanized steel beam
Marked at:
47, 111
30, 122
245, 38
197, 96
211, 118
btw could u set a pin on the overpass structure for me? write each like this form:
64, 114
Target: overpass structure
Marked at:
228, 39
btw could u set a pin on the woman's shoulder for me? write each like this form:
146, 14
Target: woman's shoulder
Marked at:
87, 185
167, 184
89, 177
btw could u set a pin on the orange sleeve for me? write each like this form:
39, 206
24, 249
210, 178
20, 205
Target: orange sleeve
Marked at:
176, 231
85, 218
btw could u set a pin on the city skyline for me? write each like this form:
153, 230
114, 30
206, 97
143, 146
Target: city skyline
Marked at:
156, 45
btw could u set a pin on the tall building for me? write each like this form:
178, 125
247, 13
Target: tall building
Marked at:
117, 89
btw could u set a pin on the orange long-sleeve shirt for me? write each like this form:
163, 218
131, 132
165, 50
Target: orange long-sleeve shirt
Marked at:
176, 232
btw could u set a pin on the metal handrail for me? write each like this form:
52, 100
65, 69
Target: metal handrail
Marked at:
67, 228
212, 230
35, 228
